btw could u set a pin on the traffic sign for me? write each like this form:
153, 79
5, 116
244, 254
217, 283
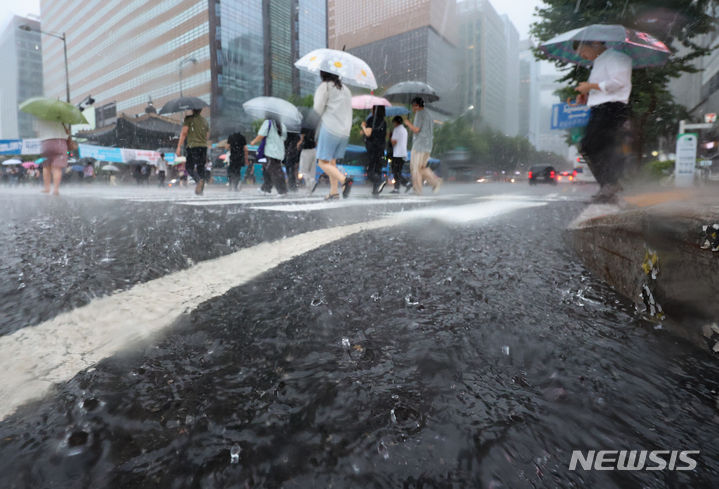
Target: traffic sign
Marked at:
565, 116
686, 160
710, 118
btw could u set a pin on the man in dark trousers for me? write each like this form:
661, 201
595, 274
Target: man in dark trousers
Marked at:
239, 156
374, 131
292, 159
607, 94
196, 131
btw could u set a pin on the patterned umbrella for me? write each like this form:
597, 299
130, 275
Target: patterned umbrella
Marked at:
365, 102
351, 69
644, 49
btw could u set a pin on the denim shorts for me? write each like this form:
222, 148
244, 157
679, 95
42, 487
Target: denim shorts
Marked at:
331, 147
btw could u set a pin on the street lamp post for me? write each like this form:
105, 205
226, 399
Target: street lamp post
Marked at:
186, 60
62, 37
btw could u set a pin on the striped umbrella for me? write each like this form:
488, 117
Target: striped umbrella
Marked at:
644, 49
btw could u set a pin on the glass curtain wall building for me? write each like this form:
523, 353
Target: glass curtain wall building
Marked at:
21, 54
401, 40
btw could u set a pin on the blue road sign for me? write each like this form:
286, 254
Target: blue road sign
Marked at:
565, 116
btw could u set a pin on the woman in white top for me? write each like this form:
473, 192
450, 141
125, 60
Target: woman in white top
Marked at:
54, 150
333, 103
276, 133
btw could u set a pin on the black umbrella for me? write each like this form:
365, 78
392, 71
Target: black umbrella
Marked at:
310, 118
404, 92
183, 103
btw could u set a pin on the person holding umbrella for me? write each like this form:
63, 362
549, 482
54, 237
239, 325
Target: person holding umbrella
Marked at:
374, 131
196, 131
54, 149
275, 134
422, 128
607, 94
333, 103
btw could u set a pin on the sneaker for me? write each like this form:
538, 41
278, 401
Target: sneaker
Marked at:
346, 187
407, 187
333, 197
381, 187
435, 189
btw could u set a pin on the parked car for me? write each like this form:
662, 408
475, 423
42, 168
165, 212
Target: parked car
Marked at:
542, 174
565, 177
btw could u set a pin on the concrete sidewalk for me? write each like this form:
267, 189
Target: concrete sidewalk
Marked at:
651, 249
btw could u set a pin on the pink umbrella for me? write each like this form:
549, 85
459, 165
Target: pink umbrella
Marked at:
29, 164
366, 102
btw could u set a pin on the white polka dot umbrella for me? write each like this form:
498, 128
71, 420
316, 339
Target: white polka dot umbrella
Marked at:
349, 68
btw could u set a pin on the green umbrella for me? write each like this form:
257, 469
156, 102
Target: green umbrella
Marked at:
53, 110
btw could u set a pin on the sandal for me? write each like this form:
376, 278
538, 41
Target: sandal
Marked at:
333, 197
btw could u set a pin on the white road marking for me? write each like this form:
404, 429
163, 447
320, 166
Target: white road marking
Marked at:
338, 204
35, 358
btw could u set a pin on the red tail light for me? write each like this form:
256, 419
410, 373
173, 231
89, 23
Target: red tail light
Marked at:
551, 174
574, 173
529, 175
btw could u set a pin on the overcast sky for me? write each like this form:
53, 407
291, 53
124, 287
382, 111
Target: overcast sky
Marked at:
521, 13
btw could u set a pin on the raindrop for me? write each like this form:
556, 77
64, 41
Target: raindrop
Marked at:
411, 300
346, 343
393, 416
505, 350
382, 450
235, 454
317, 301
376, 297
356, 468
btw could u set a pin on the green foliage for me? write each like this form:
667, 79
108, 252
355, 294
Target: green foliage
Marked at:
306, 101
675, 22
656, 170
488, 149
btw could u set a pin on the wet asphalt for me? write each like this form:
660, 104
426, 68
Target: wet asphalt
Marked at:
429, 354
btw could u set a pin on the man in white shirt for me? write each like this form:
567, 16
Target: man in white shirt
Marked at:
398, 138
607, 94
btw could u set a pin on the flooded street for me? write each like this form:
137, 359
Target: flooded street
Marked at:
453, 342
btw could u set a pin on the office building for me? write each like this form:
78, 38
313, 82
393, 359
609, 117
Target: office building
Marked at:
21, 57
490, 61
401, 40
529, 93
224, 52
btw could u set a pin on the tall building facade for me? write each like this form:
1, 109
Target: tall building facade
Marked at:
401, 40
490, 57
21, 56
511, 92
223, 51
529, 93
